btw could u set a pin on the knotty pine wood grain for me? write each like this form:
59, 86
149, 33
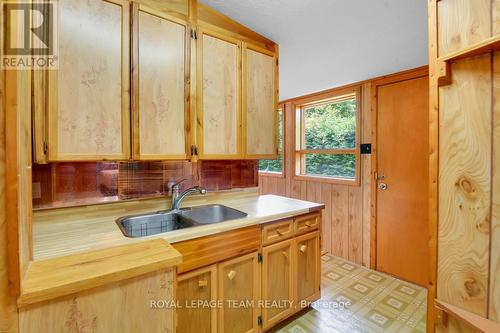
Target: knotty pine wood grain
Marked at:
122, 306
494, 292
465, 185
88, 82
462, 23
160, 110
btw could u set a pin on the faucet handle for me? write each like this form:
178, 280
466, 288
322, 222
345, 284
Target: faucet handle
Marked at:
177, 185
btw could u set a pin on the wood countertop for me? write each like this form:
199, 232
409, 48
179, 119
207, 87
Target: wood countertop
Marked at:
51, 278
71, 230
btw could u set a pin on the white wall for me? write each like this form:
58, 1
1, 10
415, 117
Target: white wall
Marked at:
328, 43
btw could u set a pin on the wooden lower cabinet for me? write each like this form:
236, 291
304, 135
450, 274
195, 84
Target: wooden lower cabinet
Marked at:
223, 291
138, 304
195, 291
308, 268
239, 290
251, 292
278, 281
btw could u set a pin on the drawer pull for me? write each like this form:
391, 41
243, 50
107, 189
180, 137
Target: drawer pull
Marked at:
303, 248
308, 224
202, 283
279, 232
231, 275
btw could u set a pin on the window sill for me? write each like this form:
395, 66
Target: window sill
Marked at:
328, 180
271, 174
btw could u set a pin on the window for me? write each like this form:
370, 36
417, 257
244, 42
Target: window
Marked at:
327, 135
276, 166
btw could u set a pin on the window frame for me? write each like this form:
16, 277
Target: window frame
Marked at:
281, 106
299, 151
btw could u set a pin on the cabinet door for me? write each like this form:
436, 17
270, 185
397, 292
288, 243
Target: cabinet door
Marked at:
308, 267
239, 290
219, 107
197, 286
277, 281
260, 102
88, 99
160, 79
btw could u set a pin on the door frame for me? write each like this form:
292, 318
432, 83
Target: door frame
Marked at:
390, 79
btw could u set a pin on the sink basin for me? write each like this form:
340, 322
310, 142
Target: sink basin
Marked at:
211, 214
152, 224
160, 222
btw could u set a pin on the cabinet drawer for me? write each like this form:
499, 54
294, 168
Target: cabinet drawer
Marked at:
306, 223
275, 232
204, 251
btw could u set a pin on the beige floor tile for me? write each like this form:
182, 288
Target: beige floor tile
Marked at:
357, 299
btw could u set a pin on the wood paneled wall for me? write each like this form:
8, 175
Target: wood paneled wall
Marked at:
346, 217
464, 162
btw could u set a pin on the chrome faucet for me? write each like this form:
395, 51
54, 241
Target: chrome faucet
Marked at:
178, 197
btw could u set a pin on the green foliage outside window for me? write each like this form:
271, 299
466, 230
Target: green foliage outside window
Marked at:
331, 126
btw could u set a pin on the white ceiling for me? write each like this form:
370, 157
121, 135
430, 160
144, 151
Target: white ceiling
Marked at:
329, 43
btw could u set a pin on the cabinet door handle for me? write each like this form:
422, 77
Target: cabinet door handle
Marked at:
202, 283
303, 248
231, 275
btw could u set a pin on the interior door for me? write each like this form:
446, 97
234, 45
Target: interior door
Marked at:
239, 284
402, 179
219, 94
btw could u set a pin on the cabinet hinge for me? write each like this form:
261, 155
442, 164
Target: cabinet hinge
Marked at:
259, 320
277, 62
194, 150
259, 257
194, 34
45, 147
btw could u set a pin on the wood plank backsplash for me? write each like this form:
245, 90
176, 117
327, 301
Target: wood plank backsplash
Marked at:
83, 183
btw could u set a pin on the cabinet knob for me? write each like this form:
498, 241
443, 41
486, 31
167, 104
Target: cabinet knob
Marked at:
202, 283
303, 248
285, 254
231, 275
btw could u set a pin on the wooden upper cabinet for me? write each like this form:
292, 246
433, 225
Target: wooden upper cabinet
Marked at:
88, 96
260, 102
463, 23
239, 283
218, 93
160, 76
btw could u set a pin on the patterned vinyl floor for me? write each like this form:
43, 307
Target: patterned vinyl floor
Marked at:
357, 299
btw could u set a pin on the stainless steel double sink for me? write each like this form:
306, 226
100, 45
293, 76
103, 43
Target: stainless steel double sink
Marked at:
164, 221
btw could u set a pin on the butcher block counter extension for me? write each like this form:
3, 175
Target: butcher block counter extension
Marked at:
81, 252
